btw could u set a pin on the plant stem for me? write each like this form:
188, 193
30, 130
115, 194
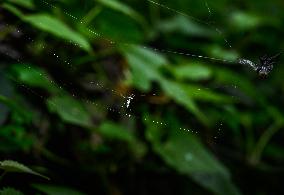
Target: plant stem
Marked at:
91, 15
263, 141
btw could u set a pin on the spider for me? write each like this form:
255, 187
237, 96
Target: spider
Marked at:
265, 65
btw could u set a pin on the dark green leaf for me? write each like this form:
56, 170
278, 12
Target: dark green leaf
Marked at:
52, 25
114, 131
123, 8
35, 77
70, 110
13, 166
144, 64
56, 27
184, 25
177, 92
184, 152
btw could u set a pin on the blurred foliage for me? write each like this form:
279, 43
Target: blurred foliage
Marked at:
193, 126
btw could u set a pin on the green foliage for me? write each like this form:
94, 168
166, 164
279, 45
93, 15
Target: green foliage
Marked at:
15, 137
186, 154
194, 126
10, 191
53, 26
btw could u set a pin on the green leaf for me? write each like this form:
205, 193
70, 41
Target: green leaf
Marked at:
144, 64
185, 26
245, 21
193, 71
118, 28
52, 25
35, 77
146, 56
225, 76
13, 9
177, 92
219, 52
123, 8
70, 110
203, 94
184, 152
56, 27
10, 191
13, 166
18, 108
56, 190
114, 131
26, 3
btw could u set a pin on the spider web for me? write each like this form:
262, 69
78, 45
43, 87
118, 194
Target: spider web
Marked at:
126, 106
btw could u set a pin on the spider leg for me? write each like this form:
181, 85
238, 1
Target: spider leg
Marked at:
264, 57
276, 56
249, 63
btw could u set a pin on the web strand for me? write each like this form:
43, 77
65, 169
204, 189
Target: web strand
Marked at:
127, 103
131, 97
147, 47
193, 18
240, 61
124, 108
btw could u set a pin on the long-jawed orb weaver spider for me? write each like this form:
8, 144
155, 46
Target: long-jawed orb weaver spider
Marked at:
265, 65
